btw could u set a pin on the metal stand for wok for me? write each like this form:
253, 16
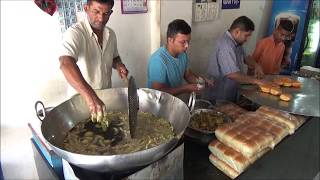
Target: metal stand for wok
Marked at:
168, 167
59, 121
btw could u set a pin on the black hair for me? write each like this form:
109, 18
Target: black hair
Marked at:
244, 23
178, 26
286, 25
110, 2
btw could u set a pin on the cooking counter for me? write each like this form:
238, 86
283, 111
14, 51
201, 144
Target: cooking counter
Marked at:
295, 157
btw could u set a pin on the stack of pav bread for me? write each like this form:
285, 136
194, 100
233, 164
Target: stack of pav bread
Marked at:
276, 90
251, 135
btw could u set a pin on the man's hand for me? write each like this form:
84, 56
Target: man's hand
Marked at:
285, 63
258, 72
209, 82
96, 107
73, 75
98, 111
193, 88
122, 70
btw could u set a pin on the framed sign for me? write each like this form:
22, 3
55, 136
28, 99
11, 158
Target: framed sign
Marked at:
230, 4
134, 6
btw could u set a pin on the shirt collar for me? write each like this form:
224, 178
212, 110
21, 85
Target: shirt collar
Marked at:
274, 42
232, 39
87, 24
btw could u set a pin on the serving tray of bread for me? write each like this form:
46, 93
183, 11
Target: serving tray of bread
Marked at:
297, 95
252, 134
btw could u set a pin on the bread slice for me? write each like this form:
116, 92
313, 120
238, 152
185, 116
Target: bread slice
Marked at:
287, 81
246, 139
278, 81
233, 158
230, 156
296, 84
286, 97
275, 91
230, 161
262, 121
224, 167
291, 121
265, 88
283, 81
287, 84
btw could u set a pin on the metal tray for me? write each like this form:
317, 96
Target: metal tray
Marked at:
203, 136
305, 100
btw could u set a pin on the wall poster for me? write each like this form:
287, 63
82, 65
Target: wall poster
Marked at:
134, 6
230, 4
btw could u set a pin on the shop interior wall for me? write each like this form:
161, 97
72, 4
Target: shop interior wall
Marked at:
30, 70
30, 63
30, 39
205, 34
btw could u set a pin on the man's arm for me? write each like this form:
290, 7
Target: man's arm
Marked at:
116, 61
74, 77
252, 60
177, 90
244, 79
252, 63
190, 77
285, 59
120, 67
241, 78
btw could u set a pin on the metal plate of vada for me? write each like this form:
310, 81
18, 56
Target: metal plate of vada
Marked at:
203, 123
305, 99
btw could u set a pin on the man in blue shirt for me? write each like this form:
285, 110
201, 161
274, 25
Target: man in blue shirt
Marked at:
227, 61
169, 66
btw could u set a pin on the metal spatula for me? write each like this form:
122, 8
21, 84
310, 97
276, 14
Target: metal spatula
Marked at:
133, 104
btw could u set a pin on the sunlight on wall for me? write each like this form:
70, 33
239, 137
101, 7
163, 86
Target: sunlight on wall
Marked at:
30, 68
155, 25
29, 65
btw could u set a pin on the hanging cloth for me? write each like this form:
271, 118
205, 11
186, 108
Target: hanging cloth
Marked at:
48, 6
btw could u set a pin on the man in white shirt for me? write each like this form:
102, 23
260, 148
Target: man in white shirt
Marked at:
89, 52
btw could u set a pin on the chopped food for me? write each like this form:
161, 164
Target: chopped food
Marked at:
206, 120
91, 138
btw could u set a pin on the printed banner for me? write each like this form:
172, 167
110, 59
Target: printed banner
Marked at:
230, 4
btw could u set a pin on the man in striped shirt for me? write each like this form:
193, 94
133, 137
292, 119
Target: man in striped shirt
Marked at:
227, 61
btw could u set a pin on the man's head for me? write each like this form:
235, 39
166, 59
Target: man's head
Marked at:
241, 29
178, 35
283, 31
98, 12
